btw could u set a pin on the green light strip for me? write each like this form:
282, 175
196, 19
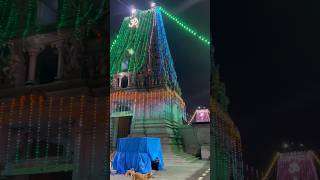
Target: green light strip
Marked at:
136, 39
181, 24
185, 27
114, 42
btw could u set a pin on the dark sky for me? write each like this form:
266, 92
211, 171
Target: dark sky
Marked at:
191, 57
269, 53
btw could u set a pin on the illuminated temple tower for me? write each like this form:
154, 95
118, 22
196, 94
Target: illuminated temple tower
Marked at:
145, 94
53, 99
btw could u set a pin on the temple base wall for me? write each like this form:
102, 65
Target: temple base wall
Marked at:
167, 131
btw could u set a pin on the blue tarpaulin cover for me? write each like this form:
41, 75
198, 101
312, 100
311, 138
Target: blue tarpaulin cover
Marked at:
137, 153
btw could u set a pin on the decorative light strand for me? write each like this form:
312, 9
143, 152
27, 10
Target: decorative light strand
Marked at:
2, 106
114, 42
108, 142
138, 40
131, 38
21, 110
12, 107
103, 6
10, 18
68, 148
185, 27
63, 14
31, 16
48, 128
226, 146
40, 110
273, 162
29, 140
8, 24
94, 132
79, 137
59, 128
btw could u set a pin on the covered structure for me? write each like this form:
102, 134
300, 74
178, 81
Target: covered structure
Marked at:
138, 154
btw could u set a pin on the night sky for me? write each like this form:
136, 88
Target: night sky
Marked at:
191, 57
269, 56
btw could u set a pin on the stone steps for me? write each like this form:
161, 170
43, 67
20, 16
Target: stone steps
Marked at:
178, 157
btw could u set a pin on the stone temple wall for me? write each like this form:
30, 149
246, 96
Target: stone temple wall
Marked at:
157, 112
43, 134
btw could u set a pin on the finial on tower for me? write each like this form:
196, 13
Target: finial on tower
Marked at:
133, 10
153, 4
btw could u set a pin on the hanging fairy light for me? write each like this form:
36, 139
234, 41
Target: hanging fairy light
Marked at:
48, 128
9, 138
40, 110
29, 141
68, 146
138, 40
79, 136
90, 14
59, 128
185, 27
130, 51
94, 131
31, 16
2, 106
107, 136
21, 109
63, 14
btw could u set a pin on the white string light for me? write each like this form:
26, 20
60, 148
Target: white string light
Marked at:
59, 128
29, 141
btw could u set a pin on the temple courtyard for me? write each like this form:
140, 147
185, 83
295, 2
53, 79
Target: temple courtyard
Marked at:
179, 167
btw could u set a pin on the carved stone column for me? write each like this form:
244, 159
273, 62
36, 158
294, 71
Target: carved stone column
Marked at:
60, 61
17, 65
33, 54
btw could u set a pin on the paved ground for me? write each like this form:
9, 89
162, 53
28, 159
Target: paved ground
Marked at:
202, 174
193, 170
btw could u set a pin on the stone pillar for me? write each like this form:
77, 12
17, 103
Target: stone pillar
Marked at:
19, 71
33, 54
18, 67
60, 62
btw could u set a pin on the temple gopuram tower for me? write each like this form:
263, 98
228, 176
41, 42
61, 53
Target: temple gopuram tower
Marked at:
145, 97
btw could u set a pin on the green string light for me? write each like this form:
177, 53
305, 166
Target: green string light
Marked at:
13, 23
134, 38
31, 17
185, 27
63, 14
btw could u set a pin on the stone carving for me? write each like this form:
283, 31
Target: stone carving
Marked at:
18, 69
72, 62
7, 63
96, 66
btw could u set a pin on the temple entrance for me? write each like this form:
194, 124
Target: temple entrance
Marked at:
124, 126
47, 65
